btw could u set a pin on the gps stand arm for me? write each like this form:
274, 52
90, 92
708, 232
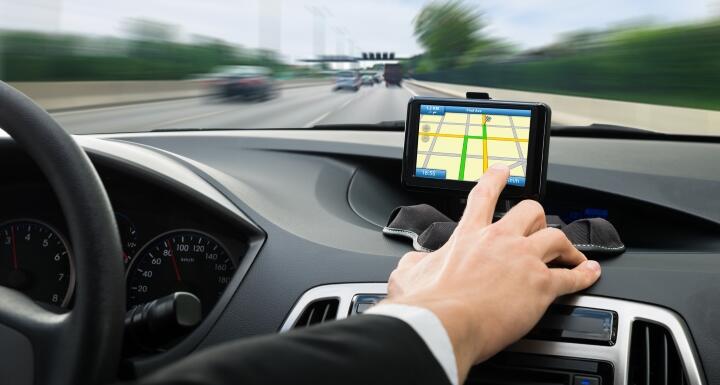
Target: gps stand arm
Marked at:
454, 207
477, 95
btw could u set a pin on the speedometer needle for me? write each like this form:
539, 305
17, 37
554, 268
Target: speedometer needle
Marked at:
174, 261
14, 252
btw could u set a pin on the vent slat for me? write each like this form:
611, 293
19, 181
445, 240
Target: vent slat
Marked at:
654, 358
666, 361
325, 313
317, 312
310, 316
648, 361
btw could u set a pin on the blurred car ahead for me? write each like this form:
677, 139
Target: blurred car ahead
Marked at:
368, 80
347, 80
248, 82
377, 77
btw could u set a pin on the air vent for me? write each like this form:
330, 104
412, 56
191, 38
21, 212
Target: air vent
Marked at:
317, 312
654, 359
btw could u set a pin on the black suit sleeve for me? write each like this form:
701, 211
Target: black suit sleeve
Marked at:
363, 350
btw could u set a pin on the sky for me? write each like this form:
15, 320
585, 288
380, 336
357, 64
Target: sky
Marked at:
293, 27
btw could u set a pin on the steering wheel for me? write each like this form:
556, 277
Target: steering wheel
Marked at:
83, 345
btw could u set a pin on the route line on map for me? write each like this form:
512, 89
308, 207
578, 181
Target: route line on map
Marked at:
466, 138
485, 139
459, 136
463, 154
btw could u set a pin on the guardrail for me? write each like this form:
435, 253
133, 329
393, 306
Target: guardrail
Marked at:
581, 111
59, 96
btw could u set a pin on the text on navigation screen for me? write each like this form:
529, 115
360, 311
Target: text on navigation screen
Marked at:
460, 143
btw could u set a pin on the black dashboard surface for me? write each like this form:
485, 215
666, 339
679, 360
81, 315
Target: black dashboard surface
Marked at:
321, 198
296, 186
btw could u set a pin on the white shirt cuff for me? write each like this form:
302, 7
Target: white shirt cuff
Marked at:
428, 326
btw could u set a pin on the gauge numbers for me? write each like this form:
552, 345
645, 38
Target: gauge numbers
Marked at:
34, 259
183, 260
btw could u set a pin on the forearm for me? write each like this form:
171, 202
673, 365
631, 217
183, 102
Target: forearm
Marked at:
366, 349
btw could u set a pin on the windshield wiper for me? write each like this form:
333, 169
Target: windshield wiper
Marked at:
390, 125
596, 130
610, 131
599, 130
177, 129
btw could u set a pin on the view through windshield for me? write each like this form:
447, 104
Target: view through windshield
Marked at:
128, 66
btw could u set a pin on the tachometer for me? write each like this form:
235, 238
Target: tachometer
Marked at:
183, 260
34, 259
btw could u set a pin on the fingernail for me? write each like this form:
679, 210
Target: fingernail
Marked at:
499, 166
592, 265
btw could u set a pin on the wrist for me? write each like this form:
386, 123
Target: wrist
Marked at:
466, 339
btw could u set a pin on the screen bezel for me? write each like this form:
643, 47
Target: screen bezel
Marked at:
537, 147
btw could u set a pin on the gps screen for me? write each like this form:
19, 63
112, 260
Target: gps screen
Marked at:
460, 143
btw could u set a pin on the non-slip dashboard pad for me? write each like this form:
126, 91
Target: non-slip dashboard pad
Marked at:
429, 229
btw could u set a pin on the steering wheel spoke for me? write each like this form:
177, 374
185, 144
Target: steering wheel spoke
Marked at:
28, 332
21, 313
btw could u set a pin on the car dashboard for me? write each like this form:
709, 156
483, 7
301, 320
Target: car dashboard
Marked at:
298, 215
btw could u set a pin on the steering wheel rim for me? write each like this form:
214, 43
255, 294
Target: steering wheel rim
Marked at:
81, 346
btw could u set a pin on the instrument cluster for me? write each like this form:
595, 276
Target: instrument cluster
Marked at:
170, 245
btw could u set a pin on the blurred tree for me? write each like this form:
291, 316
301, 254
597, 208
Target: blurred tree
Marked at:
672, 65
150, 30
447, 31
35, 56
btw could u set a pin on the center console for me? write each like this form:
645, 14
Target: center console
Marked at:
581, 340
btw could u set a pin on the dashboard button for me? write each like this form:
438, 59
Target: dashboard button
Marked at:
362, 302
362, 307
587, 380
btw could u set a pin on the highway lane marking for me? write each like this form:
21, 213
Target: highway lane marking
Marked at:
315, 121
208, 114
191, 117
122, 107
413, 93
155, 103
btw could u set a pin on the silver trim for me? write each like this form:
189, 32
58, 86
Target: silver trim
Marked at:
618, 354
344, 292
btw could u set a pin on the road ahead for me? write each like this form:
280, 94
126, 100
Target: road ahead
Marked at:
294, 108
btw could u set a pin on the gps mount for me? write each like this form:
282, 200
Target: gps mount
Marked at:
477, 95
456, 206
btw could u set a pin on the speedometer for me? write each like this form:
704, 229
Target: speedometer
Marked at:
183, 260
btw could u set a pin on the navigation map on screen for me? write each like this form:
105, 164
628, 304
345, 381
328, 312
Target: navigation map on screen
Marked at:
460, 143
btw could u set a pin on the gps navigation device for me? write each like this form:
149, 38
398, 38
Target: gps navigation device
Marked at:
449, 143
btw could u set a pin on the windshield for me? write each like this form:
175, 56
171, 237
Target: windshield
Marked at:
133, 66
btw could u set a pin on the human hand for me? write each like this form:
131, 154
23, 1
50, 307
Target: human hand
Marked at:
490, 283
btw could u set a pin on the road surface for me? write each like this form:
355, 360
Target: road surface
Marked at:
294, 108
